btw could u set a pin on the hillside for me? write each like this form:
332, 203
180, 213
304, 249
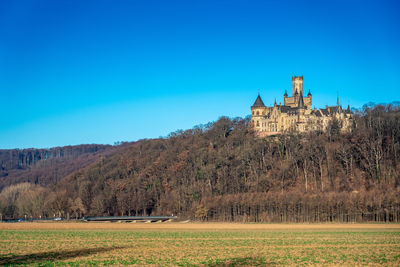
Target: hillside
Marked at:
46, 166
222, 172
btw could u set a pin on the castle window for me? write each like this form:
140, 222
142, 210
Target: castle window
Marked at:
252, 113
258, 123
258, 113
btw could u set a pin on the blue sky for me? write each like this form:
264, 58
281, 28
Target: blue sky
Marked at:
74, 72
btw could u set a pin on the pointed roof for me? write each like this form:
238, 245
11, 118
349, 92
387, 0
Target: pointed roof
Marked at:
309, 92
285, 93
258, 102
324, 111
337, 101
288, 109
301, 101
334, 109
317, 113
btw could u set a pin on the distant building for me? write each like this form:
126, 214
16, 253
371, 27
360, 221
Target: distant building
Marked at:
296, 114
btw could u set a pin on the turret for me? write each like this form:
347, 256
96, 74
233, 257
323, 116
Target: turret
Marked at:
300, 104
348, 110
285, 95
337, 100
301, 107
257, 111
258, 103
307, 100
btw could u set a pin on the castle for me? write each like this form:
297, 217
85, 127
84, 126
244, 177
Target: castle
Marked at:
296, 115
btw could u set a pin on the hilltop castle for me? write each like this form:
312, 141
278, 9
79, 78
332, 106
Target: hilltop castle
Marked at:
296, 113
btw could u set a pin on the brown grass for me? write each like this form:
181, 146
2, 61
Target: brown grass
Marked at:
187, 226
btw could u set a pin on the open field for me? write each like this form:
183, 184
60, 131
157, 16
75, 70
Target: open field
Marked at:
210, 244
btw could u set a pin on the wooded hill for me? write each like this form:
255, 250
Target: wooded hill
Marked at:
221, 172
46, 166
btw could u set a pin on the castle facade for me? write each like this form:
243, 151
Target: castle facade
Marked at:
296, 115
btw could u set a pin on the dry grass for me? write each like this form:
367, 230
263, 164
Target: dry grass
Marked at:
188, 226
211, 244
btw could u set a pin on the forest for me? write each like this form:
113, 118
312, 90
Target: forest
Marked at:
46, 166
221, 172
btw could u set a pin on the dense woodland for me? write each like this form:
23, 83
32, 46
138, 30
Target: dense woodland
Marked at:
222, 172
46, 166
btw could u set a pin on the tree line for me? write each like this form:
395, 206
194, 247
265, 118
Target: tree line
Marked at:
221, 172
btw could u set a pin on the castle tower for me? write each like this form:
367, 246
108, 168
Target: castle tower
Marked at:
285, 97
308, 100
257, 112
297, 85
301, 109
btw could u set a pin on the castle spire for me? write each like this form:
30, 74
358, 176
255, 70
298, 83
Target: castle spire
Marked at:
301, 101
337, 101
258, 102
275, 103
309, 92
285, 95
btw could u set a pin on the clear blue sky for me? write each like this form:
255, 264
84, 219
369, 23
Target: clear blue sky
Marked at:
74, 72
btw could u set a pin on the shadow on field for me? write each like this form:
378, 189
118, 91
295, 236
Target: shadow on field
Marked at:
51, 256
244, 261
